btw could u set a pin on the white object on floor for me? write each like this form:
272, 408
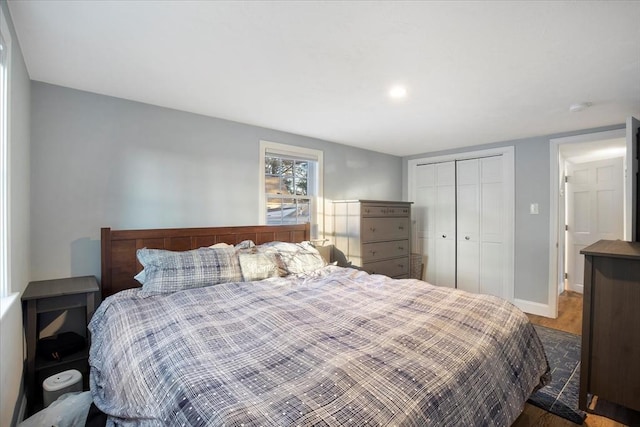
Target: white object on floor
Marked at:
70, 410
57, 385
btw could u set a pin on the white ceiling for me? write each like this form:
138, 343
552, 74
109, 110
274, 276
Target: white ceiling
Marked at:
593, 151
475, 72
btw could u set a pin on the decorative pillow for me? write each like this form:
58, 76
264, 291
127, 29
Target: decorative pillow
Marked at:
297, 257
325, 252
260, 265
140, 277
168, 271
221, 245
245, 244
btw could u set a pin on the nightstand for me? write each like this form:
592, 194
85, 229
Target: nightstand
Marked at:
55, 296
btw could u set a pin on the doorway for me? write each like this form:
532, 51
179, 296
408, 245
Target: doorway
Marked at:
582, 214
594, 192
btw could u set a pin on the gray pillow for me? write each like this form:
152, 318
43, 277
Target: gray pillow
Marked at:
168, 271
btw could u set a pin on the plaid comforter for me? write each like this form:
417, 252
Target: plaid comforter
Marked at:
337, 347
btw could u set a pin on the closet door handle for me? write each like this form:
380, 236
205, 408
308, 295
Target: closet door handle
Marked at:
444, 236
467, 237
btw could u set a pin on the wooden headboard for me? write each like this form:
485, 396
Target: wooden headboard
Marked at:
119, 262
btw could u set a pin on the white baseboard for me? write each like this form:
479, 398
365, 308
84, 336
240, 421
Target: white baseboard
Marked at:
534, 307
577, 287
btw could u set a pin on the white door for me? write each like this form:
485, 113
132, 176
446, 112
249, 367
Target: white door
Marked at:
423, 211
434, 212
468, 232
480, 213
594, 193
463, 220
493, 279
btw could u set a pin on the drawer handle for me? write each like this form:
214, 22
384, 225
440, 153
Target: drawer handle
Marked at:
467, 237
400, 248
372, 253
400, 227
401, 265
373, 229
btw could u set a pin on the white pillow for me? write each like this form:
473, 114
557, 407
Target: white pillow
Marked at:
297, 257
260, 265
220, 245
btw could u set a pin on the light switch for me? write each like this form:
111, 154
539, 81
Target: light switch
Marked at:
533, 209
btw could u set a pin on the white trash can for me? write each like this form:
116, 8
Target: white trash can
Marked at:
59, 384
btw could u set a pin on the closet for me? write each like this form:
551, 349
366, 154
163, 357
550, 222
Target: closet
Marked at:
462, 224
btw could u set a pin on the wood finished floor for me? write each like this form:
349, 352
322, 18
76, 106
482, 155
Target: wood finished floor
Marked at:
569, 320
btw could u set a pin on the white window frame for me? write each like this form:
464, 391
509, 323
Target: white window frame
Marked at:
317, 204
5, 71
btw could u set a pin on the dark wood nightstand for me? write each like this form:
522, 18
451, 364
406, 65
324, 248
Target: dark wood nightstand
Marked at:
50, 296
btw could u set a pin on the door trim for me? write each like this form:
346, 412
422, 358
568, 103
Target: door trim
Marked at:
509, 174
556, 241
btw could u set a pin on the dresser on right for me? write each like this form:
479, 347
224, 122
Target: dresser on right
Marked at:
610, 364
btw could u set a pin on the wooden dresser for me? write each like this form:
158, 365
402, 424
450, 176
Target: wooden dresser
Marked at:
610, 365
375, 235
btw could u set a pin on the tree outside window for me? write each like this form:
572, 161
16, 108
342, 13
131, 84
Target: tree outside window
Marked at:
287, 190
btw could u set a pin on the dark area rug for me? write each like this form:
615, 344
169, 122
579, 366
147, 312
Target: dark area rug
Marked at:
560, 397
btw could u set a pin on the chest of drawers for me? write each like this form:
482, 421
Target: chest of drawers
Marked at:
375, 235
610, 364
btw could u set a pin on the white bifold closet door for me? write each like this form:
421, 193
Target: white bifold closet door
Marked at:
435, 201
459, 208
480, 226
468, 225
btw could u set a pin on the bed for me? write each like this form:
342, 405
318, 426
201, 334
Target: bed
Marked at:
309, 345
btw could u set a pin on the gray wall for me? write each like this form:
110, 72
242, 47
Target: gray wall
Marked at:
11, 337
532, 185
99, 161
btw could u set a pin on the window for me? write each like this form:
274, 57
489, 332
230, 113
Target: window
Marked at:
290, 185
5, 45
287, 196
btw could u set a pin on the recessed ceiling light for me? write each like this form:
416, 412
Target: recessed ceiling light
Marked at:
398, 92
579, 106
